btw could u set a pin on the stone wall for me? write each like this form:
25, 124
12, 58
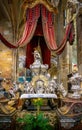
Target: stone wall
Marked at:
79, 43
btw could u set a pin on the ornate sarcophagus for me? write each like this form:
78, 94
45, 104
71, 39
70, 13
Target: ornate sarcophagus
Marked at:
70, 112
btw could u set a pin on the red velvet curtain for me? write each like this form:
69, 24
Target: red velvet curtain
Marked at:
45, 52
38, 37
32, 16
46, 28
71, 34
49, 32
9, 45
29, 51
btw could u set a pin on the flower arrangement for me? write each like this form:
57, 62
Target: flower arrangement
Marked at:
31, 122
38, 103
37, 121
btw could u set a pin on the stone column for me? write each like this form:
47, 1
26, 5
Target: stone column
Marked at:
79, 42
62, 59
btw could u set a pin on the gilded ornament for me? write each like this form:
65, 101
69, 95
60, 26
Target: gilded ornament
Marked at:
39, 78
32, 3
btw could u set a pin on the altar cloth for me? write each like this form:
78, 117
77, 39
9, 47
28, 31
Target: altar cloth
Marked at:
23, 96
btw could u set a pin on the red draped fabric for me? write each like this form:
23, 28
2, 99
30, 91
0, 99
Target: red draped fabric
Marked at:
47, 29
66, 38
45, 52
39, 30
71, 34
32, 16
9, 45
30, 26
49, 32
29, 51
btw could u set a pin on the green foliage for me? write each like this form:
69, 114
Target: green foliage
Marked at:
38, 122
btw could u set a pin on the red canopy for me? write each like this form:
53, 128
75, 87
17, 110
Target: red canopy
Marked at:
46, 28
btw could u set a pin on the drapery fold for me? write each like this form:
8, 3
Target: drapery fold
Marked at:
49, 32
32, 3
32, 16
48, 28
45, 52
9, 45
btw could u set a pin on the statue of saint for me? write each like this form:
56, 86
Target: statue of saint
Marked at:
37, 57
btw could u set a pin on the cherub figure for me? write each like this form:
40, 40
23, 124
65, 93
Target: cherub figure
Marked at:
62, 90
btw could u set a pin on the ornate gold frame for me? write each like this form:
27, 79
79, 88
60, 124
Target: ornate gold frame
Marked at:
39, 77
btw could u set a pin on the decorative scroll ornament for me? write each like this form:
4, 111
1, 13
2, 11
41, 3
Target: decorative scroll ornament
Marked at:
31, 3
39, 78
55, 2
72, 2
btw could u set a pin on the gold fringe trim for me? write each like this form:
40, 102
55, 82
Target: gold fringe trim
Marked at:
31, 3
